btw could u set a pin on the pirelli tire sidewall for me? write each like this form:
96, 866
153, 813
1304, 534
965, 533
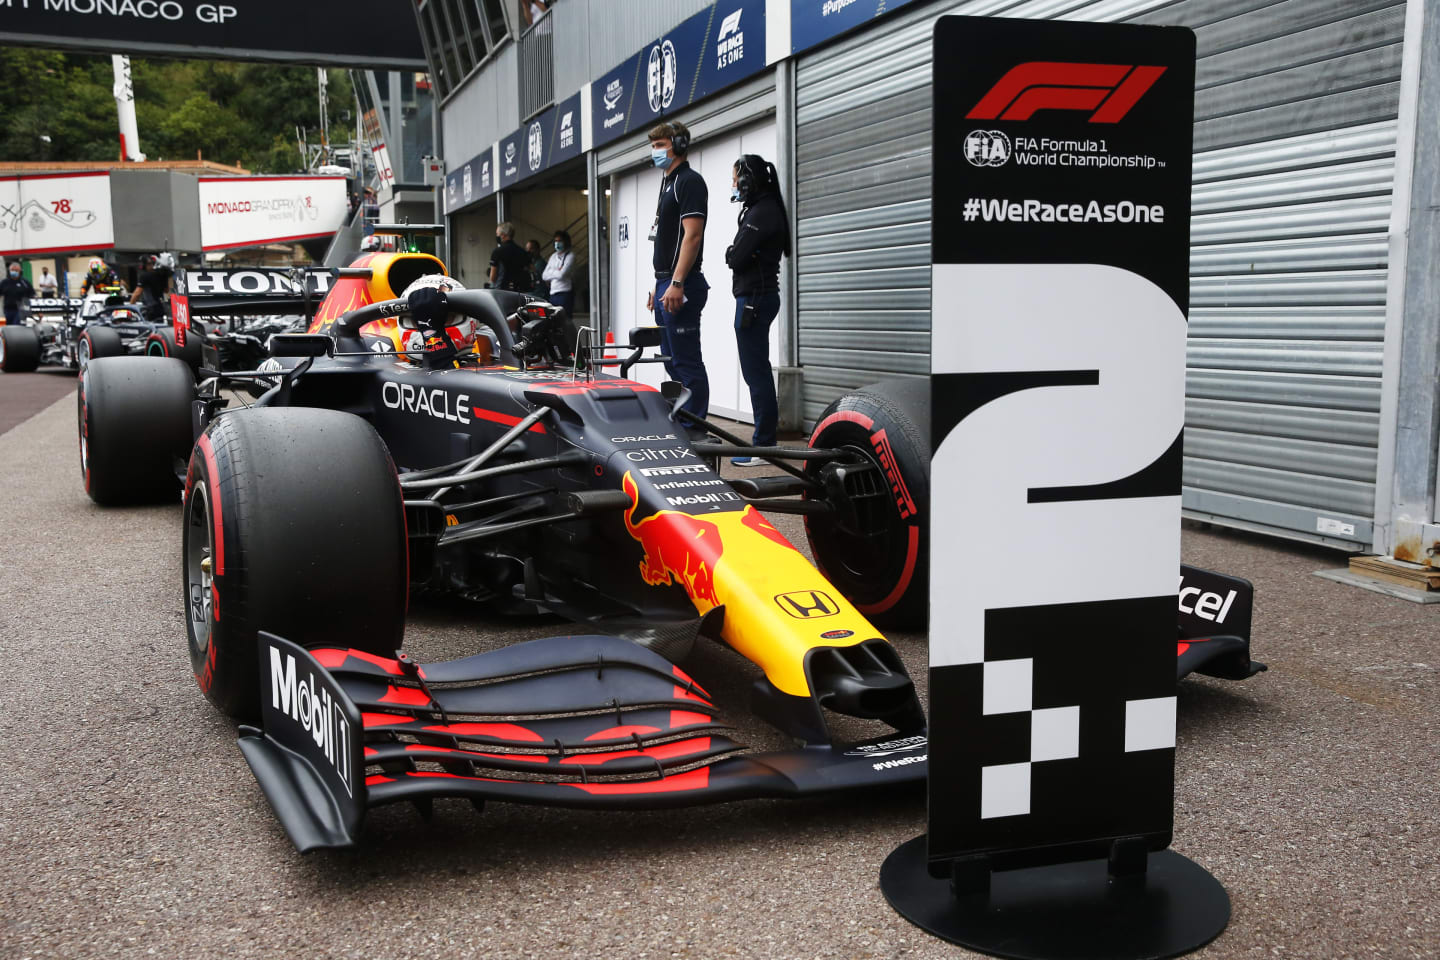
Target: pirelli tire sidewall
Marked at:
133, 421
305, 523
885, 572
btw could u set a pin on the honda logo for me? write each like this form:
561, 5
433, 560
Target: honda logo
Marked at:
1109, 89
807, 604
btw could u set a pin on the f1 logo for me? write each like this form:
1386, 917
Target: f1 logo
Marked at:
1110, 89
807, 604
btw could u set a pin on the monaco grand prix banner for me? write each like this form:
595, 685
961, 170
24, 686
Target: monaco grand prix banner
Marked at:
1060, 247
250, 211
55, 213
377, 34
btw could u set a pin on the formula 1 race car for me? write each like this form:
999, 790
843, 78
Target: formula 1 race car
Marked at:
70, 331
366, 468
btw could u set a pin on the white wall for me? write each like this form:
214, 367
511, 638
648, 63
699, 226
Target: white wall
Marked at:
633, 203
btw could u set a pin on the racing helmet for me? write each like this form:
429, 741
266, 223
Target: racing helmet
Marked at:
97, 266
370, 244
458, 327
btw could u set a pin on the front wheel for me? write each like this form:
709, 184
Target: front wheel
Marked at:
294, 524
97, 342
875, 548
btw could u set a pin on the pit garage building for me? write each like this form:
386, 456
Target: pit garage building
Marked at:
1312, 382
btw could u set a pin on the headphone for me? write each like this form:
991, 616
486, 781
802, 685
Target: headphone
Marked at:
754, 175
680, 140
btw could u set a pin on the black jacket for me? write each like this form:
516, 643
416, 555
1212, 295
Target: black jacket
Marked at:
13, 291
763, 237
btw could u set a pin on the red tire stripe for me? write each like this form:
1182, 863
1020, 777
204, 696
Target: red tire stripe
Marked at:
842, 416
213, 489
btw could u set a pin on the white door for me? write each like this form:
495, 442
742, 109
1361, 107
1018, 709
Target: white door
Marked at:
633, 208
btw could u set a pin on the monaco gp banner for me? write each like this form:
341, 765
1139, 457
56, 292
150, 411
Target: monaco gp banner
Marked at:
55, 213
250, 211
379, 34
1060, 247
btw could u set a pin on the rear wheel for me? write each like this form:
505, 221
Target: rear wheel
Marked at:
294, 524
875, 549
134, 423
97, 342
161, 343
19, 349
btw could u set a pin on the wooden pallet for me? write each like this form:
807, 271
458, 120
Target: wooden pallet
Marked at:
1415, 575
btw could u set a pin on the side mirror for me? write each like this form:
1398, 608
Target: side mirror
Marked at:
300, 345
671, 389
645, 337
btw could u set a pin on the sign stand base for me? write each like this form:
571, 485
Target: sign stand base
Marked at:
1070, 910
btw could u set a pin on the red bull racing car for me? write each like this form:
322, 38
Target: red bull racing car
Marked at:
385, 456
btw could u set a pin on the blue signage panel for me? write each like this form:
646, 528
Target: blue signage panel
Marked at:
512, 159
469, 183
812, 22
710, 51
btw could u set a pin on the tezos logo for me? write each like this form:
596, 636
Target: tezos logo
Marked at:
987, 148
661, 75
535, 144
1109, 89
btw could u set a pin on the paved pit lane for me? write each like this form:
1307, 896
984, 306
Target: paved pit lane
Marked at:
131, 827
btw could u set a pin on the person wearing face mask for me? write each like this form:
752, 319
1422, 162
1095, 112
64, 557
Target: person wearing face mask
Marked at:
509, 264
678, 233
13, 290
762, 238
557, 273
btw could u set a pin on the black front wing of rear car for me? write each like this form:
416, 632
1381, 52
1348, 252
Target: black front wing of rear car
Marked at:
578, 721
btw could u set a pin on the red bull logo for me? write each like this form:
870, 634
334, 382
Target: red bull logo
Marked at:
678, 548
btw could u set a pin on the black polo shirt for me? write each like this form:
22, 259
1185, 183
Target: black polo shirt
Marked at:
682, 194
514, 264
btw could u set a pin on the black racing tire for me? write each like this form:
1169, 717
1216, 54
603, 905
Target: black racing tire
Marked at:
294, 524
133, 417
880, 559
96, 342
19, 349
161, 343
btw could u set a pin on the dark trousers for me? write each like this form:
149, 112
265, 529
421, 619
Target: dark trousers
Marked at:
753, 316
12, 314
680, 341
566, 301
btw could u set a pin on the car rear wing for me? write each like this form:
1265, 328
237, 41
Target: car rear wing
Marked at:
249, 290
54, 306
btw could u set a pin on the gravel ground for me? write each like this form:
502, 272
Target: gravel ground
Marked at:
131, 825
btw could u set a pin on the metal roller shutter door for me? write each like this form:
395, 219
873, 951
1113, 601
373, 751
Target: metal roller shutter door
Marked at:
1294, 141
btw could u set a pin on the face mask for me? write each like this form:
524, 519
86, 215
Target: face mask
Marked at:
661, 158
559, 246
734, 194
14, 273
499, 239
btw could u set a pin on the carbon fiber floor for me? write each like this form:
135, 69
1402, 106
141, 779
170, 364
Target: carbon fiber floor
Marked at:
132, 827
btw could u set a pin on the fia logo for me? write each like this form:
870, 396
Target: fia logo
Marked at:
807, 604
987, 148
622, 232
660, 76
536, 146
